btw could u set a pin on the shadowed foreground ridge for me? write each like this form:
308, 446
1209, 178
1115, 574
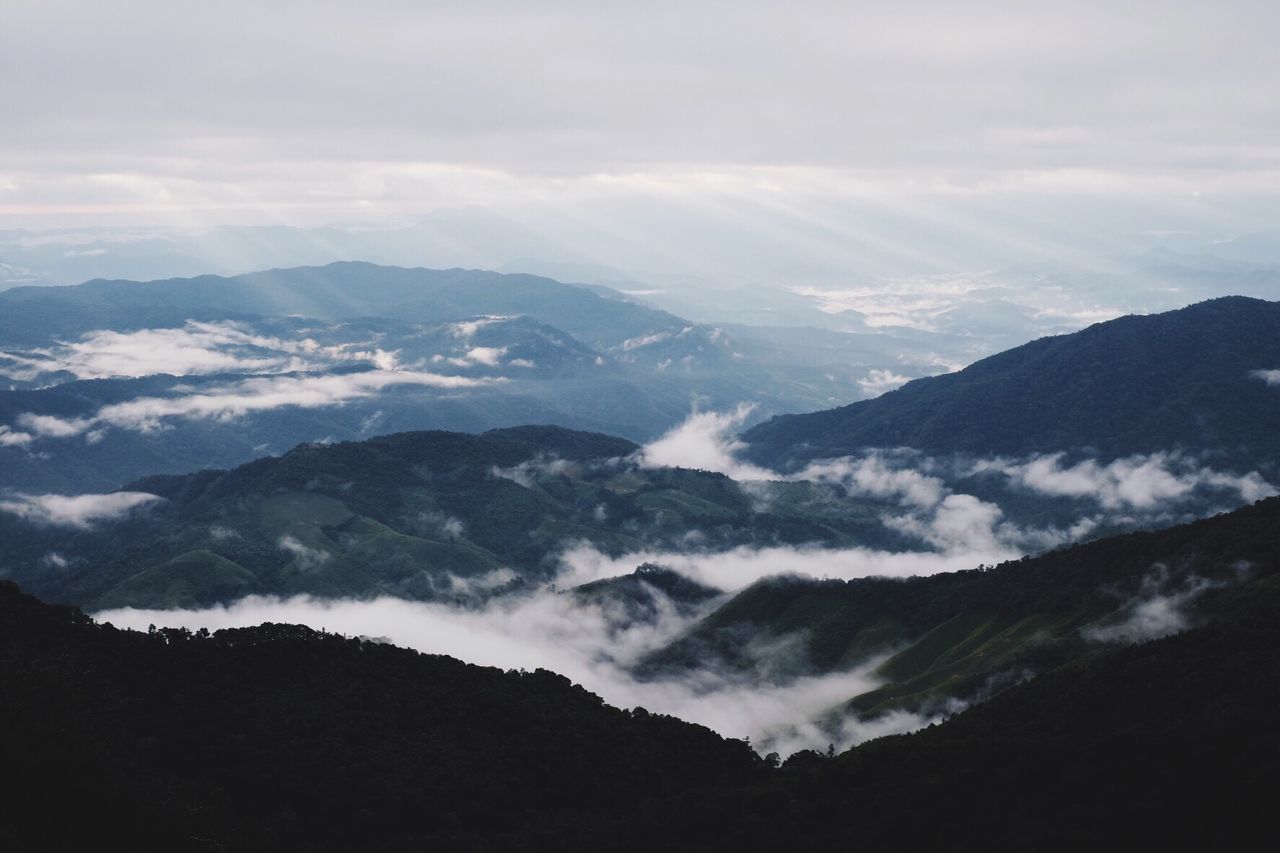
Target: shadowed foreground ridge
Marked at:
283, 737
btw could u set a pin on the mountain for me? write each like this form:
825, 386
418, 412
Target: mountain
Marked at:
335, 292
318, 382
1187, 380
282, 737
108, 381
1169, 744
959, 635
426, 515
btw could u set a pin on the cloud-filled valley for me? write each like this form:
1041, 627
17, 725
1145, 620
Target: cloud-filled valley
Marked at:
600, 644
585, 642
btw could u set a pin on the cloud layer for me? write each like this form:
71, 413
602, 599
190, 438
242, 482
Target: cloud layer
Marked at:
78, 511
194, 349
930, 93
237, 399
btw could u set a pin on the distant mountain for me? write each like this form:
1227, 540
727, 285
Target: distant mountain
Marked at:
336, 292
431, 515
500, 372
522, 349
1192, 380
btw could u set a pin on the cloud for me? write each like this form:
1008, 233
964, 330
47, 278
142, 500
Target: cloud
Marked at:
702, 441
483, 584
487, 356
644, 341
1156, 612
78, 511
736, 568
306, 557
879, 474
10, 437
959, 523
592, 644
1271, 377
54, 560
527, 473
1141, 482
467, 328
235, 400
196, 348
934, 67
879, 381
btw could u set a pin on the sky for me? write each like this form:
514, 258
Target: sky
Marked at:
311, 113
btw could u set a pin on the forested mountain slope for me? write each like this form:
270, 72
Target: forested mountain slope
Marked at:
1193, 380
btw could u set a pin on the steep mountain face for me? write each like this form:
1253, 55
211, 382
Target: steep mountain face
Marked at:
1193, 379
957, 636
423, 515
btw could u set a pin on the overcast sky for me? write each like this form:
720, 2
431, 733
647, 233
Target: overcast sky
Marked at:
320, 111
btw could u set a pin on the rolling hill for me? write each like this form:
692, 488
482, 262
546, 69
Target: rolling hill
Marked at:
430, 515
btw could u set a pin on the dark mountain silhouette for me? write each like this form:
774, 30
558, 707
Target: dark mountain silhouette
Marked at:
283, 737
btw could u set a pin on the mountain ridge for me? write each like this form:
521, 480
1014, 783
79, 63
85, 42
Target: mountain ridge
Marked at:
1142, 383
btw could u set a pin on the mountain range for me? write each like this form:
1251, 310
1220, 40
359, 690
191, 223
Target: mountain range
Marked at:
427, 515
112, 380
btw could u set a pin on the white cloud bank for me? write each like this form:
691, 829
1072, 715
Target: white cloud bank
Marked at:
703, 442
961, 529
736, 568
78, 511
1140, 482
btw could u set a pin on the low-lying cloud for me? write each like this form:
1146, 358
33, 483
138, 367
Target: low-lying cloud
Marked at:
234, 400
196, 348
703, 441
1271, 377
1158, 611
736, 568
78, 511
1141, 482
306, 557
587, 642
